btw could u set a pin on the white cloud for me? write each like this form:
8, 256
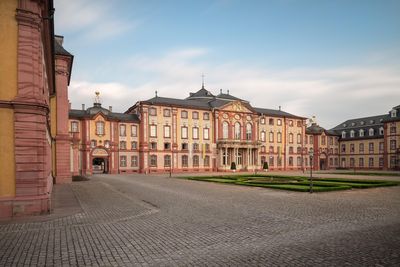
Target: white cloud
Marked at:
333, 95
92, 19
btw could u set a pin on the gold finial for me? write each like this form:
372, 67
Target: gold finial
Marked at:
97, 93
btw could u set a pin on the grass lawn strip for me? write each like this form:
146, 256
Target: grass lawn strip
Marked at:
294, 183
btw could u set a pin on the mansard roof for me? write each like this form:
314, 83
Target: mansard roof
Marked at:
58, 48
276, 113
97, 108
316, 129
202, 93
365, 124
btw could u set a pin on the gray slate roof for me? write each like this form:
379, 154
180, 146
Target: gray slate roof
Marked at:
97, 108
276, 113
202, 93
366, 123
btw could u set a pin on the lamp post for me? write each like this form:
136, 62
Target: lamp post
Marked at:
311, 153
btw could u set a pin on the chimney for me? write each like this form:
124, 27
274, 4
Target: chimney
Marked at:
110, 108
228, 91
83, 106
279, 108
69, 105
59, 39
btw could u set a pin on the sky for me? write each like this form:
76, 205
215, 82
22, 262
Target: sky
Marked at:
333, 59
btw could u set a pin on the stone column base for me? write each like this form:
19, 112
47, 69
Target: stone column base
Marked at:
22, 206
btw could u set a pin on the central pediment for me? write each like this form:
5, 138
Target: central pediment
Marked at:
237, 106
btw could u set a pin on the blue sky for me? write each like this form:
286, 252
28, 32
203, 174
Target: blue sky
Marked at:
332, 59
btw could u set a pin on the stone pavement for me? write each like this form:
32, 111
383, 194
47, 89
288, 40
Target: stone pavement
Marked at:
137, 220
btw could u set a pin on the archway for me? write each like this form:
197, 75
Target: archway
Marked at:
322, 162
100, 165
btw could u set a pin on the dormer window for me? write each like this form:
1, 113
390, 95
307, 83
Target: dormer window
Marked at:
362, 122
381, 131
343, 134
351, 133
353, 123
371, 132
361, 132
371, 121
393, 113
344, 125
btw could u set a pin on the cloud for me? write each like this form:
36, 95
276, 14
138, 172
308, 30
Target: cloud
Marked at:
93, 20
332, 94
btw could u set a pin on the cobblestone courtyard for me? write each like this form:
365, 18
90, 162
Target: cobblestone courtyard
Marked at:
157, 221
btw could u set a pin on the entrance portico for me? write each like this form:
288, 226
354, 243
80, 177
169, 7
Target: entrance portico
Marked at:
243, 153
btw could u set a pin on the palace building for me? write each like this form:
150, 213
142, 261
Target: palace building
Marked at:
207, 132
35, 72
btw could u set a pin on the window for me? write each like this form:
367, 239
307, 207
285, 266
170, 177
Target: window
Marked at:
249, 132
262, 160
323, 140
122, 161
153, 146
122, 130
291, 137
381, 162
107, 144
167, 146
371, 162
331, 141
195, 161
299, 123
195, 147
184, 132
298, 150
361, 132
392, 144
291, 150
290, 123
152, 111
298, 161
343, 134
393, 113
371, 132
133, 145
271, 149
263, 136
381, 131
393, 129
262, 120
271, 121
167, 112
279, 123
167, 161
237, 131
206, 161
184, 161
381, 144
290, 161
134, 161
185, 146
206, 116
271, 137
122, 145
225, 130
331, 162
271, 161
207, 147
299, 138
167, 131
184, 114
195, 132
206, 133
279, 137
134, 131
361, 162
371, 147
153, 161
361, 148
93, 143
352, 162
351, 133
306, 140
153, 130
195, 115
352, 148
262, 149
74, 127
100, 128
343, 147
336, 161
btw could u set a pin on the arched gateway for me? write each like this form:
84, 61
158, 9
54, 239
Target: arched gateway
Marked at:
100, 161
